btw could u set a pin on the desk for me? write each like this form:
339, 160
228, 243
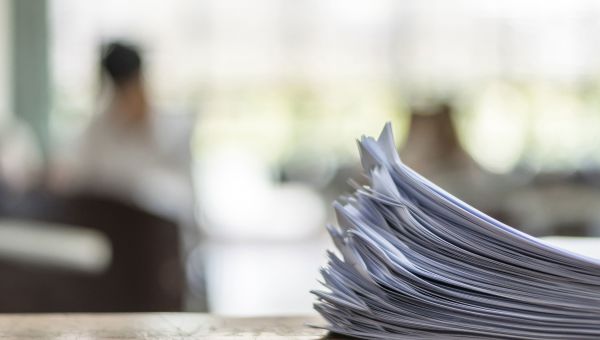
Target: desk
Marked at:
181, 326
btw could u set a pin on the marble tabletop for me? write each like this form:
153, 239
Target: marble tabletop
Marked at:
155, 326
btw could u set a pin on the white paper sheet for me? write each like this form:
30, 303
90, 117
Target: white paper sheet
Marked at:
417, 263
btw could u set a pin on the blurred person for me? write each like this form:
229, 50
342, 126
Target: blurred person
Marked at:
131, 152
433, 146
433, 149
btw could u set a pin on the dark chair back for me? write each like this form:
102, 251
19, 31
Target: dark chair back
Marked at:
145, 272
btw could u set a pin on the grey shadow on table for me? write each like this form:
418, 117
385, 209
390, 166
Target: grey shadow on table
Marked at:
336, 336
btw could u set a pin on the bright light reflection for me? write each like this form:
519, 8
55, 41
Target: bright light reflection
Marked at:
240, 201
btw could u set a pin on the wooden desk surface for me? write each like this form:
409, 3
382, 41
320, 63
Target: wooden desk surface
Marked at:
181, 326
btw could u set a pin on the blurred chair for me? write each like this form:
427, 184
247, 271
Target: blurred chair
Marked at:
144, 273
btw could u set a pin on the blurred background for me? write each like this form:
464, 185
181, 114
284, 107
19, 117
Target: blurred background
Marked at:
216, 199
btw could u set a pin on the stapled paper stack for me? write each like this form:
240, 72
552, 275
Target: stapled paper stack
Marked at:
417, 263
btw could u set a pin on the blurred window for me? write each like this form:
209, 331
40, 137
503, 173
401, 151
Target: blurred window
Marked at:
266, 74
4, 59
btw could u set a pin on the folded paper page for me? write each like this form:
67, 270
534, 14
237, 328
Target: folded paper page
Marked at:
417, 263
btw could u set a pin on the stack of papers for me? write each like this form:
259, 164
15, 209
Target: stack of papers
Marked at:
417, 263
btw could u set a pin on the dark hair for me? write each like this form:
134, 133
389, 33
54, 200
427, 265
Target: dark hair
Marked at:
121, 62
